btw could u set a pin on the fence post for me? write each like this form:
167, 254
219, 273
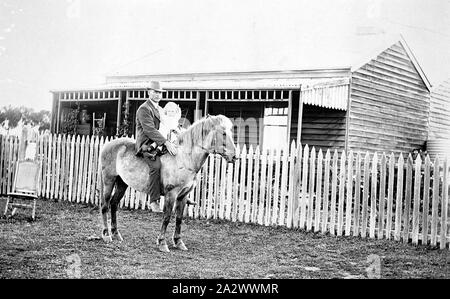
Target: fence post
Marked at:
209, 208
205, 176
326, 190
291, 185
217, 163
248, 197
301, 208
318, 201
284, 156
365, 195
49, 166
95, 195
373, 197
229, 191
333, 193
241, 202
276, 193
348, 205
435, 204
426, 201
390, 197
58, 165
407, 214
444, 206
342, 182
268, 207
417, 181
256, 186
80, 165
399, 199
223, 181
42, 145
382, 199
62, 174
357, 208
312, 178
54, 162
86, 170
262, 192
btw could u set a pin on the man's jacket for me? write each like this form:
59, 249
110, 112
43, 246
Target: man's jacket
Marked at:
147, 126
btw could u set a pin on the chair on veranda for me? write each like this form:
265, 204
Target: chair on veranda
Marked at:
25, 187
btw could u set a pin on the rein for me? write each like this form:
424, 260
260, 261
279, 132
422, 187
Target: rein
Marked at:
214, 151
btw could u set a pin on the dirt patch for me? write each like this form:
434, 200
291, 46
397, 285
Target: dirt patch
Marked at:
65, 233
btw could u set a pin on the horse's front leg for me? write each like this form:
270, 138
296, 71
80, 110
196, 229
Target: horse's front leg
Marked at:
179, 210
167, 210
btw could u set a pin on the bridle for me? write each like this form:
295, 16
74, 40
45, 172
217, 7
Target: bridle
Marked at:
214, 150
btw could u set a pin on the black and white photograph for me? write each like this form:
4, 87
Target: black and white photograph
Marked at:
224, 147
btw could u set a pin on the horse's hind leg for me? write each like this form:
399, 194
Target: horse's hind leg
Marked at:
168, 207
119, 191
179, 210
108, 184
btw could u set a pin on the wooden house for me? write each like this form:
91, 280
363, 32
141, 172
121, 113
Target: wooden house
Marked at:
366, 96
439, 135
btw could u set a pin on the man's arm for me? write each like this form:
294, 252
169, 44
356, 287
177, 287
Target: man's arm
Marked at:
145, 116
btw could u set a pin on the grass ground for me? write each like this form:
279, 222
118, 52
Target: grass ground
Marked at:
62, 232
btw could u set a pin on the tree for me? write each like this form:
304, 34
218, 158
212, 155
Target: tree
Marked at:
40, 118
12, 114
27, 115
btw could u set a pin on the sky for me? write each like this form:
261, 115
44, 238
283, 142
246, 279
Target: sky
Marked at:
55, 44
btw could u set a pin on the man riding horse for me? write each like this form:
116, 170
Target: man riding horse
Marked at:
177, 174
150, 142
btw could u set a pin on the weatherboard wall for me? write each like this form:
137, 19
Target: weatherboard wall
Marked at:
323, 128
440, 111
389, 105
438, 143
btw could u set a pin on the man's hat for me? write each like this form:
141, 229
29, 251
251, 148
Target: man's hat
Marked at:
155, 85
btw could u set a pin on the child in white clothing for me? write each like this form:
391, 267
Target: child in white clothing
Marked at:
168, 127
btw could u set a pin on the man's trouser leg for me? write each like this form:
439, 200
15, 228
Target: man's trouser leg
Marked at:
155, 180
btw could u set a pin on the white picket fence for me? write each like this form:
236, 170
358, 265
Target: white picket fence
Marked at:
367, 195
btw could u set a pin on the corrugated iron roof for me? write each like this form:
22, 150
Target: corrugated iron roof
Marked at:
323, 52
326, 53
215, 84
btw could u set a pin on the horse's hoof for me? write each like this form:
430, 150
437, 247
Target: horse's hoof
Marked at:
180, 245
162, 245
107, 238
118, 237
164, 248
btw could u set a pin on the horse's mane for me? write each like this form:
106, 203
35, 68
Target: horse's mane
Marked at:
196, 133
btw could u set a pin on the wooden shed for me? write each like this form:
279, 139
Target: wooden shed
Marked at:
377, 99
439, 136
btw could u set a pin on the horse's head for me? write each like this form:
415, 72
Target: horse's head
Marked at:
212, 134
221, 138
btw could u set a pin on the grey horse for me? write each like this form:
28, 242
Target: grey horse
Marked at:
120, 168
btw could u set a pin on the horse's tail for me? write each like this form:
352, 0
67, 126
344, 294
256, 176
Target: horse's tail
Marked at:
99, 189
